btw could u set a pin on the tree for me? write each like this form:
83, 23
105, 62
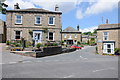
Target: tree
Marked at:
95, 31
3, 7
87, 33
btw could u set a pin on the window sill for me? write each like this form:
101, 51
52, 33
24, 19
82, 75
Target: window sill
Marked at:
38, 24
51, 24
18, 23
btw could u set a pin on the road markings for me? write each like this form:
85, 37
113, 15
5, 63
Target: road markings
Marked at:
103, 69
83, 57
68, 76
12, 62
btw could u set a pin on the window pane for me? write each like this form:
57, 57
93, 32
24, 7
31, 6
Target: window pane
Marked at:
105, 37
18, 19
50, 36
105, 33
17, 35
109, 50
108, 46
37, 19
50, 20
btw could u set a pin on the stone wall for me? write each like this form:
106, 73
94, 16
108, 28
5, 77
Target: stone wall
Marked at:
113, 36
28, 24
2, 31
78, 36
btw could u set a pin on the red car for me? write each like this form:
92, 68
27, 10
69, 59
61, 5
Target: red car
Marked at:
77, 47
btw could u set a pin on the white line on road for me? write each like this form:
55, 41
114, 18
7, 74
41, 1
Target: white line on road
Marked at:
103, 69
25, 61
82, 57
12, 62
68, 76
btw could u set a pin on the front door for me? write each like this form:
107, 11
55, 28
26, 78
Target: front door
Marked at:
70, 42
37, 36
108, 48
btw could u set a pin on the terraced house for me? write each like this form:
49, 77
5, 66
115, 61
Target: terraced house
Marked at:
108, 36
35, 24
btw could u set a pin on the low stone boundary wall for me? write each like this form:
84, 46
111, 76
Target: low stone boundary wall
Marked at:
49, 51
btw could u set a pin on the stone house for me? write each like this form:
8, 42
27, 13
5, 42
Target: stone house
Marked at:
108, 38
2, 31
86, 38
35, 24
71, 36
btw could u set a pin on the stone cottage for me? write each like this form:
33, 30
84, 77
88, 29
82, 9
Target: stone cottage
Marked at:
86, 38
71, 36
108, 38
2, 31
35, 24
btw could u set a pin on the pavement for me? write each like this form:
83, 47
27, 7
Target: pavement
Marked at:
78, 64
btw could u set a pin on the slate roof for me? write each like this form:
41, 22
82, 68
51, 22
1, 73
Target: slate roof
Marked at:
38, 10
109, 26
70, 29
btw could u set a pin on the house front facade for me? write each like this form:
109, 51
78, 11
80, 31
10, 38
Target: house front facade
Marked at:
88, 38
35, 24
108, 38
71, 36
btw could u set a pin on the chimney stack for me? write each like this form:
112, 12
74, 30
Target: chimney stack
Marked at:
16, 6
78, 28
56, 8
106, 21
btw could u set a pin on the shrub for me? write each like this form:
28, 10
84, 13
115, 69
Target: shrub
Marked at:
78, 42
8, 42
117, 51
62, 42
18, 45
28, 43
55, 44
38, 45
50, 44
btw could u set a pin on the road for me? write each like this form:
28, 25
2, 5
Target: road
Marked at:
78, 64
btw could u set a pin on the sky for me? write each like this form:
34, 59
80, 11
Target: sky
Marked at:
88, 14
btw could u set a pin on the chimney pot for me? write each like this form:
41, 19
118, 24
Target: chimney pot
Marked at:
78, 27
106, 21
56, 8
16, 6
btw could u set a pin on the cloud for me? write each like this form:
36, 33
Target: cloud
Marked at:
65, 6
79, 14
97, 7
94, 7
22, 3
90, 29
100, 7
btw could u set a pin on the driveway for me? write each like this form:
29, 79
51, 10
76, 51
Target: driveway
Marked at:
78, 64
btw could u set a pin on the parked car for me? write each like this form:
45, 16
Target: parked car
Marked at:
77, 47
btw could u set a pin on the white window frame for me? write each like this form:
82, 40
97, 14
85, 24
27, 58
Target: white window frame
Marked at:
65, 35
106, 36
16, 19
53, 20
105, 48
15, 34
75, 35
53, 36
70, 36
36, 20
